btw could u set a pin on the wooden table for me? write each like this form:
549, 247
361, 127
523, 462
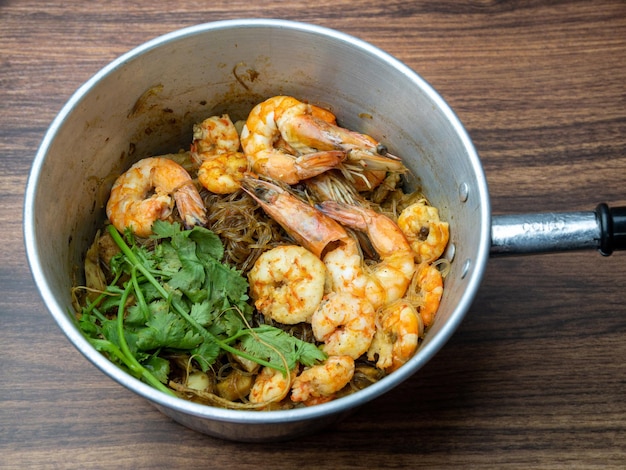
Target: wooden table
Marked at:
536, 374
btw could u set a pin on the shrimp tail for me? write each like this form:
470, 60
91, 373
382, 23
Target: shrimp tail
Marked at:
307, 225
190, 207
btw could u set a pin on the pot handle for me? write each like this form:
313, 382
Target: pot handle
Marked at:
603, 229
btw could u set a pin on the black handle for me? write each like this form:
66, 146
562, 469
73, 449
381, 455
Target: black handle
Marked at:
612, 223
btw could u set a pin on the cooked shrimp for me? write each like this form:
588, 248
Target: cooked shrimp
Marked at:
318, 384
216, 147
305, 132
398, 330
308, 226
323, 114
271, 386
215, 134
426, 233
429, 282
131, 204
222, 173
345, 323
287, 284
367, 179
290, 165
395, 270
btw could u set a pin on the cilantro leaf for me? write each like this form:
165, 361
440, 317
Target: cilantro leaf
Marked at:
206, 354
276, 345
166, 330
159, 367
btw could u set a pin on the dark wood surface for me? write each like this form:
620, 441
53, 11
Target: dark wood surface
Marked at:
536, 375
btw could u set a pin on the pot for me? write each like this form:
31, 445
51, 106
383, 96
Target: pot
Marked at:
145, 102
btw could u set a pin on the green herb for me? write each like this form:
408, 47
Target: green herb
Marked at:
179, 296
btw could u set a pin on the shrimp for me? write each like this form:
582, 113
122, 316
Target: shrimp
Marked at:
392, 274
367, 179
398, 328
215, 134
131, 204
216, 147
287, 284
290, 165
426, 233
429, 289
308, 226
305, 132
222, 173
345, 323
271, 386
318, 384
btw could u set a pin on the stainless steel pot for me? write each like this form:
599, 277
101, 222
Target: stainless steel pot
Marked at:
145, 103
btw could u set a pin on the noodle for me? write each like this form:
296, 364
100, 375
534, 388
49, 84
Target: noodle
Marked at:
243, 227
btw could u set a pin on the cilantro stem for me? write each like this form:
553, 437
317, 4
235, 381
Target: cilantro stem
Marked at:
92, 305
131, 361
138, 265
141, 300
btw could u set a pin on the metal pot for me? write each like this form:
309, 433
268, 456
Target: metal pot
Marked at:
145, 103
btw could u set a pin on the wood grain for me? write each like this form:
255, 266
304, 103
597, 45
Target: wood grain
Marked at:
534, 378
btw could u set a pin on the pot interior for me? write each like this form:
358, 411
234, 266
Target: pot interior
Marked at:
146, 102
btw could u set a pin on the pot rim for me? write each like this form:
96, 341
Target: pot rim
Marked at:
426, 351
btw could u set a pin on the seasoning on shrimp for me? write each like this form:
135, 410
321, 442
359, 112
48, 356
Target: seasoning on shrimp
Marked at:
430, 289
287, 284
345, 324
271, 385
290, 141
388, 279
318, 384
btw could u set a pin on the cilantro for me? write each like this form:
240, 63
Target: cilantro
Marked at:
276, 345
178, 295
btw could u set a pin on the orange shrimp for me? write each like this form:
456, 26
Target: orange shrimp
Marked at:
395, 270
429, 283
143, 194
216, 147
426, 233
292, 164
345, 323
271, 386
287, 284
307, 225
398, 328
319, 384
